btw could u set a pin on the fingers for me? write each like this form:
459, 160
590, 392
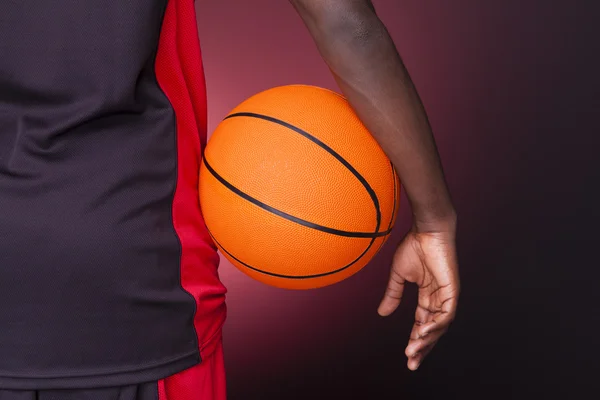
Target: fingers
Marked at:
422, 320
416, 360
443, 319
429, 327
436, 310
393, 294
418, 345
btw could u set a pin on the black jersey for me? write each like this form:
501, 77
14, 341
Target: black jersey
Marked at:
107, 273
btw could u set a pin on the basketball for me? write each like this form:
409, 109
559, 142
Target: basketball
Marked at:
295, 191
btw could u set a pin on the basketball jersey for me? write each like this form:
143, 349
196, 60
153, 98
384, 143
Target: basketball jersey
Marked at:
107, 273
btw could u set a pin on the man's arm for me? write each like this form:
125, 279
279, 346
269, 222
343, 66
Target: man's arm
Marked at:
366, 65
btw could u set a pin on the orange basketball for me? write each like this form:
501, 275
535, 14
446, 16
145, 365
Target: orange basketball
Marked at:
295, 191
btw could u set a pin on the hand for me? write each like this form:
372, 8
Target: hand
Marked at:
429, 260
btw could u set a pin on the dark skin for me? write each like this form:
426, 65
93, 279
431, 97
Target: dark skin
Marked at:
370, 73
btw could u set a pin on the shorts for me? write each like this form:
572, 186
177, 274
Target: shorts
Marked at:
205, 381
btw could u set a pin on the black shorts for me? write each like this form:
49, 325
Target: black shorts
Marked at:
144, 391
204, 381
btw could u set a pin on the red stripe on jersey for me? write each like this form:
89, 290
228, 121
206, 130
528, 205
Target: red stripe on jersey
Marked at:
180, 74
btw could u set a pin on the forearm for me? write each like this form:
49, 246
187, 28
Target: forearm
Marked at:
365, 63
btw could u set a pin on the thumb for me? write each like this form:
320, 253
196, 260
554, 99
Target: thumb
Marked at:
393, 294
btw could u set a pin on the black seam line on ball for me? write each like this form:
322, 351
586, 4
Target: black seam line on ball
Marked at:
288, 216
395, 195
337, 156
393, 207
289, 276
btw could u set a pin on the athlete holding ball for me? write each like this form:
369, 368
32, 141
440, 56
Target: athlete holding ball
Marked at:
108, 276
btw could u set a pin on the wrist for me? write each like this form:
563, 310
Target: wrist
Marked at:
437, 222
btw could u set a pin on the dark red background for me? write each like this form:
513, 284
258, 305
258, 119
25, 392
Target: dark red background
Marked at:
511, 89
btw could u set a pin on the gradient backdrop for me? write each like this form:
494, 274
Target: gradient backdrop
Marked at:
511, 91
